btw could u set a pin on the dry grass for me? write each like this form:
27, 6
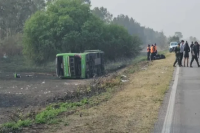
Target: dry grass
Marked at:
135, 109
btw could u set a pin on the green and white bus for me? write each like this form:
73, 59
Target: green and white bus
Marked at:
80, 65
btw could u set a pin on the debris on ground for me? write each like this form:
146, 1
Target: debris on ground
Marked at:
144, 68
66, 83
124, 81
47, 92
123, 76
29, 75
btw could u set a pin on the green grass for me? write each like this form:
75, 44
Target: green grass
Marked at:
47, 116
55, 109
121, 63
19, 64
163, 52
17, 125
54, 121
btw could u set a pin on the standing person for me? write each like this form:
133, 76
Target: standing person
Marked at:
197, 49
191, 45
148, 52
152, 52
187, 51
181, 51
177, 53
155, 49
194, 54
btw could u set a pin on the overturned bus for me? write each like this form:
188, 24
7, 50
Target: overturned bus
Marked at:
80, 65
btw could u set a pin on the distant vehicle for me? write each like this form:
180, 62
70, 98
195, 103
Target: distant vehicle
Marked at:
80, 65
172, 46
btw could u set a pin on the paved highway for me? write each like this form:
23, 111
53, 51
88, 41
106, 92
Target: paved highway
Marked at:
181, 110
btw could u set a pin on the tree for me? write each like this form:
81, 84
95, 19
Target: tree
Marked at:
13, 14
87, 1
193, 39
118, 42
147, 35
55, 29
70, 26
173, 39
103, 14
179, 34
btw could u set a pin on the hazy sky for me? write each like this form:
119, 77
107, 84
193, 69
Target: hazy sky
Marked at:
167, 15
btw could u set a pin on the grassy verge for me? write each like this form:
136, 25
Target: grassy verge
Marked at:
122, 63
47, 116
164, 52
19, 64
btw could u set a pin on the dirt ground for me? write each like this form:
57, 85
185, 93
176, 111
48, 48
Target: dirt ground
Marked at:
31, 91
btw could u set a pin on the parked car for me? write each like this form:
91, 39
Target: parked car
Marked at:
172, 46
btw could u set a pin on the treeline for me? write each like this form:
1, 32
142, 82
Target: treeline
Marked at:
147, 35
13, 14
57, 26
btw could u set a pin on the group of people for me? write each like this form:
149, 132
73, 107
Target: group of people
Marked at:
183, 50
151, 51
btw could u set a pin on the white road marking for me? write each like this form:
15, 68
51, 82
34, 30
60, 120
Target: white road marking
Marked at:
170, 109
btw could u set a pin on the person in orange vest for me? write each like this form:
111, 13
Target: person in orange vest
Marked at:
152, 51
148, 52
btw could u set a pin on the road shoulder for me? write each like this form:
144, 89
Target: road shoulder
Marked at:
163, 109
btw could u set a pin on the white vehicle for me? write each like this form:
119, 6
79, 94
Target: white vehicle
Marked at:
172, 46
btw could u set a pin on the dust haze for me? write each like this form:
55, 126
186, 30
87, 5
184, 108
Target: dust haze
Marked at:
167, 15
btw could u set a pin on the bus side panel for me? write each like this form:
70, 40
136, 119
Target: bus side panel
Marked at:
83, 66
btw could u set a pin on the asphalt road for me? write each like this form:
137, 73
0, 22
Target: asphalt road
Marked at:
180, 112
186, 117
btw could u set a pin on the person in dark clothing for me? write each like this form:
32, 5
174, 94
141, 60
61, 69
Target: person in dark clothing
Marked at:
181, 51
195, 54
177, 53
187, 51
191, 45
155, 49
197, 49
148, 52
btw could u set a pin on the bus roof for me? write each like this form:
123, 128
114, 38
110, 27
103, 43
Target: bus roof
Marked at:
71, 54
85, 52
93, 51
